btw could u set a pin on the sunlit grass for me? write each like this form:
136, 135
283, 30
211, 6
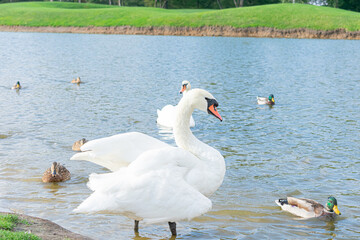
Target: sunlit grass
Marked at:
8, 223
280, 16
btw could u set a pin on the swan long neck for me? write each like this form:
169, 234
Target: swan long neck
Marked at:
211, 162
183, 135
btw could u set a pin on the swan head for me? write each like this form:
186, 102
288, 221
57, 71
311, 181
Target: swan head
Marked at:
204, 101
185, 86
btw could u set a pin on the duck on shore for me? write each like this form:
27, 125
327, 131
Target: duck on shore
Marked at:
263, 100
308, 208
76, 80
56, 173
16, 86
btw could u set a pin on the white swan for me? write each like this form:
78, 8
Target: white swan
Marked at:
162, 183
166, 116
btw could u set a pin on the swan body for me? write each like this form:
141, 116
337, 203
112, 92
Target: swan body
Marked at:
268, 101
161, 182
56, 173
166, 116
308, 208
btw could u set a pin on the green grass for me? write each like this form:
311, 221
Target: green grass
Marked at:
7, 223
280, 16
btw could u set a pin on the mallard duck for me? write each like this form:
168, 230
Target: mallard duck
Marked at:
76, 80
56, 173
166, 116
307, 208
263, 100
16, 86
76, 146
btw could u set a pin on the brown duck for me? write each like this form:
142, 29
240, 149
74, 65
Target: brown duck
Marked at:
76, 80
76, 146
56, 173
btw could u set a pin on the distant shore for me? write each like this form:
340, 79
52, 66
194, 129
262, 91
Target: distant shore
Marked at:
260, 32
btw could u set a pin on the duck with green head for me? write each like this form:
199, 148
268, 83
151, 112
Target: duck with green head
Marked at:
263, 100
16, 86
307, 208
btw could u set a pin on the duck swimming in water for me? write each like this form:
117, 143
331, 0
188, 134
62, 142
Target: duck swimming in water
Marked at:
16, 86
307, 208
263, 100
76, 80
56, 173
76, 146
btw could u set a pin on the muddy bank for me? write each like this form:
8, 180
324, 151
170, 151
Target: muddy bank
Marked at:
261, 32
45, 229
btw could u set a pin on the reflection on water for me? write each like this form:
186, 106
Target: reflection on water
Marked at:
307, 145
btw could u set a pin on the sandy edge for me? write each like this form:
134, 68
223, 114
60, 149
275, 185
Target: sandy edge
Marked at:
262, 32
45, 229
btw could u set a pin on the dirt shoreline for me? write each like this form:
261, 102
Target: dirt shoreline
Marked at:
45, 229
261, 32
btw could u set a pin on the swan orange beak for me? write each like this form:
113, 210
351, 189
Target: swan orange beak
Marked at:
183, 88
212, 110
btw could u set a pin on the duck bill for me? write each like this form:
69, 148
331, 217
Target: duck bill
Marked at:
213, 111
273, 100
183, 89
336, 210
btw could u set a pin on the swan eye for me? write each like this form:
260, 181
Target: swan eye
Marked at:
211, 102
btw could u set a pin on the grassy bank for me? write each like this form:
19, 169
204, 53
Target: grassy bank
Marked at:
7, 224
279, 16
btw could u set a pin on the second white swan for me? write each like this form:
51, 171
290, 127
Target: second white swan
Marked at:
166, 116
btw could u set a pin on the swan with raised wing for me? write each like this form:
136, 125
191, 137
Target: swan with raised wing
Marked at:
166, 116
161, 183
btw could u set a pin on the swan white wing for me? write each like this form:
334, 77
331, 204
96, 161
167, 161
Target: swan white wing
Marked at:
119, 150
152, 189
166, 116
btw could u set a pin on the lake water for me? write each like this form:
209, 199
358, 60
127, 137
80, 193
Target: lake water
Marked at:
307, 145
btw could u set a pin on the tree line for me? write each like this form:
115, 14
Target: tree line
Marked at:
353, 5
